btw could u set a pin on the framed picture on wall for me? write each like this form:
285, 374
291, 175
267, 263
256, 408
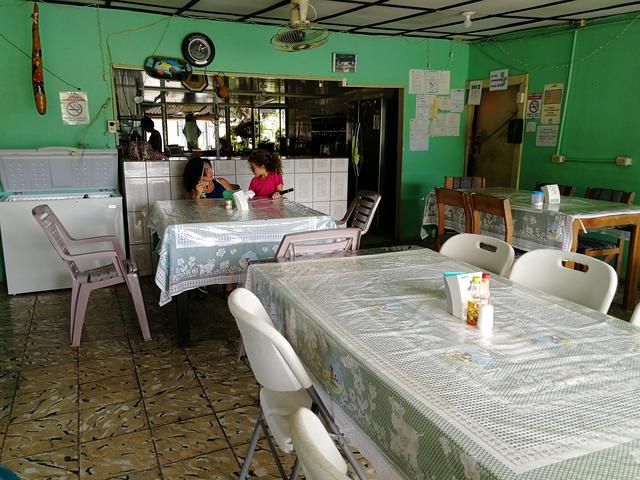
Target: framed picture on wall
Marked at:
345, 62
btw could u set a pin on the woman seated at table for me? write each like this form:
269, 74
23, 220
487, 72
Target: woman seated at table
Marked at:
199, 182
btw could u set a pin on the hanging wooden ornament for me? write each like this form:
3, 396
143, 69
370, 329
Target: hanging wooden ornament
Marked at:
37, 74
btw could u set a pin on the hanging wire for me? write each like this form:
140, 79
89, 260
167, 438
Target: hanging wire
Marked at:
532, 66
44, 68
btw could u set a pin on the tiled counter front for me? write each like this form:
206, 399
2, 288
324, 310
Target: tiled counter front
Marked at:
319, 183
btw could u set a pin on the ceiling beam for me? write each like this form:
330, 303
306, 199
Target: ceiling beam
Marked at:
264, 10
186, 7
351, 10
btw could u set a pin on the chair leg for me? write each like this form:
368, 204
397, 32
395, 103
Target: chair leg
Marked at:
334, 429
74, 300
619, 257
295, 470
79, 314
136, 294
274, 453
252, 448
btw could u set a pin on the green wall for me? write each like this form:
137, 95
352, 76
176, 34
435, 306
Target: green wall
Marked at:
79, 43
602, 119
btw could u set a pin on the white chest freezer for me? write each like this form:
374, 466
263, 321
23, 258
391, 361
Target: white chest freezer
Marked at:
80, 186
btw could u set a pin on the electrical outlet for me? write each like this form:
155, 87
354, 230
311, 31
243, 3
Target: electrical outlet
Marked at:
623, 161
557, 158
112, 126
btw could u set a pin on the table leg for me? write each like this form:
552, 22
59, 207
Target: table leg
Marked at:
633, 264
182, 314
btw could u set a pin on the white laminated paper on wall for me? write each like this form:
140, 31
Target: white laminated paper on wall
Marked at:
456, 100
431, 79
452, 125
499, 80
547, 136
424, 104
475, 92
438, 126
419, 135
416, 81
444, 82
444, 103
74, 107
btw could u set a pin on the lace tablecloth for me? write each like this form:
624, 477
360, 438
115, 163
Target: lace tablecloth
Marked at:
547, 227
552, 395
202, 243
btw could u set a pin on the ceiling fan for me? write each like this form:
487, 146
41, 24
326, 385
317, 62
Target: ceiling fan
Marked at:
300, 33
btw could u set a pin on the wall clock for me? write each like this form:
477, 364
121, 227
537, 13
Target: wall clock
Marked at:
198, 49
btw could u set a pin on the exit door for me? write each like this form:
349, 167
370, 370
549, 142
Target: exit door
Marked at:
490, 151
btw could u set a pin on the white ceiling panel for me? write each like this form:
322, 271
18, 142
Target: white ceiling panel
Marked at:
415, 18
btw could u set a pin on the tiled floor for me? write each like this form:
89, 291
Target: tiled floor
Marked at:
119, 407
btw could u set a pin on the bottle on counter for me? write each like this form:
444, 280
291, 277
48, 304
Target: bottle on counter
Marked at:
485, 293
473, 306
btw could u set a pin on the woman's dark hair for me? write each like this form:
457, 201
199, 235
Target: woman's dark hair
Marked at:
147, 124
269, 160
192, 172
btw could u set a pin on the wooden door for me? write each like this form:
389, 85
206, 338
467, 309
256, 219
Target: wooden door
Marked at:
489, 154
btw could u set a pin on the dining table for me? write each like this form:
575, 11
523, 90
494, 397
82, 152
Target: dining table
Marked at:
551, 393
201, 243
553, 226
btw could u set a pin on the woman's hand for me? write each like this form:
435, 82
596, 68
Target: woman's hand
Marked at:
276, 195
200, 187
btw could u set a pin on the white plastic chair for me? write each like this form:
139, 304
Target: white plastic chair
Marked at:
300, 244
286, 385
635, 318
117, 270
361, 210
484, 252
318, 456
544, 270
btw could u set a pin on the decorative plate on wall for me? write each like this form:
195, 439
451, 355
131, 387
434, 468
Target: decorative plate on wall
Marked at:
198, 49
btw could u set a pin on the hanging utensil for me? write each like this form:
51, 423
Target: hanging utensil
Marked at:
37, 75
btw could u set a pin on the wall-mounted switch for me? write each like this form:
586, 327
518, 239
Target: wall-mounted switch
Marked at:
558, 158
112, 126
623, 161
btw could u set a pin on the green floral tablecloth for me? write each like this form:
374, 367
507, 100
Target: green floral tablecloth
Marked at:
546, 227
551, 395
202, 243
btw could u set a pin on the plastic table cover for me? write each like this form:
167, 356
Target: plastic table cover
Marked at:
552, 394
548, 227
202, 243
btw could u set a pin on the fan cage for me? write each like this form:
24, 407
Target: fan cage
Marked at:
301, 36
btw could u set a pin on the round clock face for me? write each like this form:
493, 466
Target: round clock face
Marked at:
198, 49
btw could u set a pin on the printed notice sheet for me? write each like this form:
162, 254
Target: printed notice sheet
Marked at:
419, 135
456, 100
416, 81
534, 104
475, 92
499, 80
444, 82
547, 136
551, 104
424, 105
74, 107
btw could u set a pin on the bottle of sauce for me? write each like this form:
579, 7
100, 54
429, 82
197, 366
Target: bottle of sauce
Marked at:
473, 306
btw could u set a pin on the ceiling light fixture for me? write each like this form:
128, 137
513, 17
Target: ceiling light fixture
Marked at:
467, 19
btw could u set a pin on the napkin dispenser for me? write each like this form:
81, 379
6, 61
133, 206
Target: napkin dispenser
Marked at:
551, 194
240, 199
456, 287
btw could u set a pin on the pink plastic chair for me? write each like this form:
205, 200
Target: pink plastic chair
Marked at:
318, 241
120, 270
361, 211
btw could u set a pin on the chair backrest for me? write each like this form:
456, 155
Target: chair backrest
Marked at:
318, 241
56, 233
500, 207
318, 455
485, 252
273, 361
464, 182
362, 209
635, 318
565, 190
453, 198
610, 195
545, 270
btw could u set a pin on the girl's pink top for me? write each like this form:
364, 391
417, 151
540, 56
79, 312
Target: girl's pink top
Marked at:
265, 186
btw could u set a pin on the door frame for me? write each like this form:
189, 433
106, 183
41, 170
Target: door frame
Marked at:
522, 81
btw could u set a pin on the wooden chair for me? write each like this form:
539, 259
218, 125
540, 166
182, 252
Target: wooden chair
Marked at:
453, 198
455, 183
500, 207
612, 248
565, 190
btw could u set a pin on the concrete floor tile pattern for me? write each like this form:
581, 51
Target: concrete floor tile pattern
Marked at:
119, 407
